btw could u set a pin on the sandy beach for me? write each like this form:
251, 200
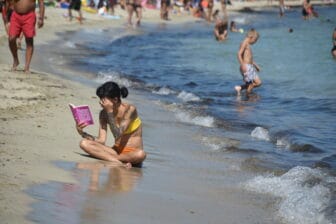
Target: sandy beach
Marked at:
37, 129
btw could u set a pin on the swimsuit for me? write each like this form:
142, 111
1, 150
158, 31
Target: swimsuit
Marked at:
22, 23
134, 125
134, 3
250, 74
123, 150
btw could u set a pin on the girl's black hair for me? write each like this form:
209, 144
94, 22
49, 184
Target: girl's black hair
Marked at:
111, 90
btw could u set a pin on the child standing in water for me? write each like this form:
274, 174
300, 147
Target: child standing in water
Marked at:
248, 67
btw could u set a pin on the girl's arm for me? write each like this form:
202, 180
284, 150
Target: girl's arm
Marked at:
102, 130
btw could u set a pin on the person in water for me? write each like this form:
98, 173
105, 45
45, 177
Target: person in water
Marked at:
124, 123
221, 26
248, 67
333, 50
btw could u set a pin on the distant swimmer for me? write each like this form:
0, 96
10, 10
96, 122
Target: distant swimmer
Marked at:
220, 30
248, 67
333, 50
233, 27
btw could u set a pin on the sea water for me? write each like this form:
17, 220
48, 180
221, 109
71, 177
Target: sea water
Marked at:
288, 123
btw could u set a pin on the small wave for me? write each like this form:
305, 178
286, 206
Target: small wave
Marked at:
187, 97
304, 194
70, 44
205, 121
261, 133
163, 91
115, 77
191, 84
282, 142
220, 143
305, 148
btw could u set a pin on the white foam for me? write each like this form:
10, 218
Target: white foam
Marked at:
205, 121
303, 193
69, 44
115, 77
187, 97
210, 143
283, 142
261, 133
164, 91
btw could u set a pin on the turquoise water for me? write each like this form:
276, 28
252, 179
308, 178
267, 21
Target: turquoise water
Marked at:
284, 132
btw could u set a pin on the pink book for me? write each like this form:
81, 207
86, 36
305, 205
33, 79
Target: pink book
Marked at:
81, 114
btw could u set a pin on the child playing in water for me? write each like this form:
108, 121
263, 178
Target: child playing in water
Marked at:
248, 67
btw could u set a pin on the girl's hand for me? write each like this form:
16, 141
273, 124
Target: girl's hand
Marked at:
80, 128
107, 105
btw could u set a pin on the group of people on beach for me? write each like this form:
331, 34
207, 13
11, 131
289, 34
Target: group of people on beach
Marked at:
122, 118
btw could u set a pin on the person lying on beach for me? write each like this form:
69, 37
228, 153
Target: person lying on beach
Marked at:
124, 123
248, 67
23, 20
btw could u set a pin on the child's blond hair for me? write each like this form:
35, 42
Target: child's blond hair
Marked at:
252, 33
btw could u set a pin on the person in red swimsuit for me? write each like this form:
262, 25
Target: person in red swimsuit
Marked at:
23, 20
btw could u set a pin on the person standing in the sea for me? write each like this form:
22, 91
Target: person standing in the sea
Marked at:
23, 19
333, 50
248, 67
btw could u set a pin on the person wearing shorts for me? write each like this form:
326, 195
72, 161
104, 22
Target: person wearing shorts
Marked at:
248, 67
76, 5
23, 20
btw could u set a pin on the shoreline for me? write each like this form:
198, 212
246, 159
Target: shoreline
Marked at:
34, 100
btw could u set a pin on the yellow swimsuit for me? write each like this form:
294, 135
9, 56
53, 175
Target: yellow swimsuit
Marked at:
134, 125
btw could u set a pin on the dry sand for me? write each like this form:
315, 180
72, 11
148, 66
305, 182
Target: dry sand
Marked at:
35, 122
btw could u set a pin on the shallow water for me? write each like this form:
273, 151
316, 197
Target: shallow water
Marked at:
285, 127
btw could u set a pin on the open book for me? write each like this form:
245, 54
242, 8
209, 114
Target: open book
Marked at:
81, 114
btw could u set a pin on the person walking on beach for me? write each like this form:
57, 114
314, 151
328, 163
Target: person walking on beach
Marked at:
124, 123
6, 17
164, 10
281, 8
23, 19
131, 7
248, 67
76, 5
333, 50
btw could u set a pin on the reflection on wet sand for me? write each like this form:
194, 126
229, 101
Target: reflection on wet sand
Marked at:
118, 178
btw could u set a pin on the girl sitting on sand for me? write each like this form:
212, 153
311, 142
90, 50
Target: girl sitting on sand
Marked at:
124, 123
